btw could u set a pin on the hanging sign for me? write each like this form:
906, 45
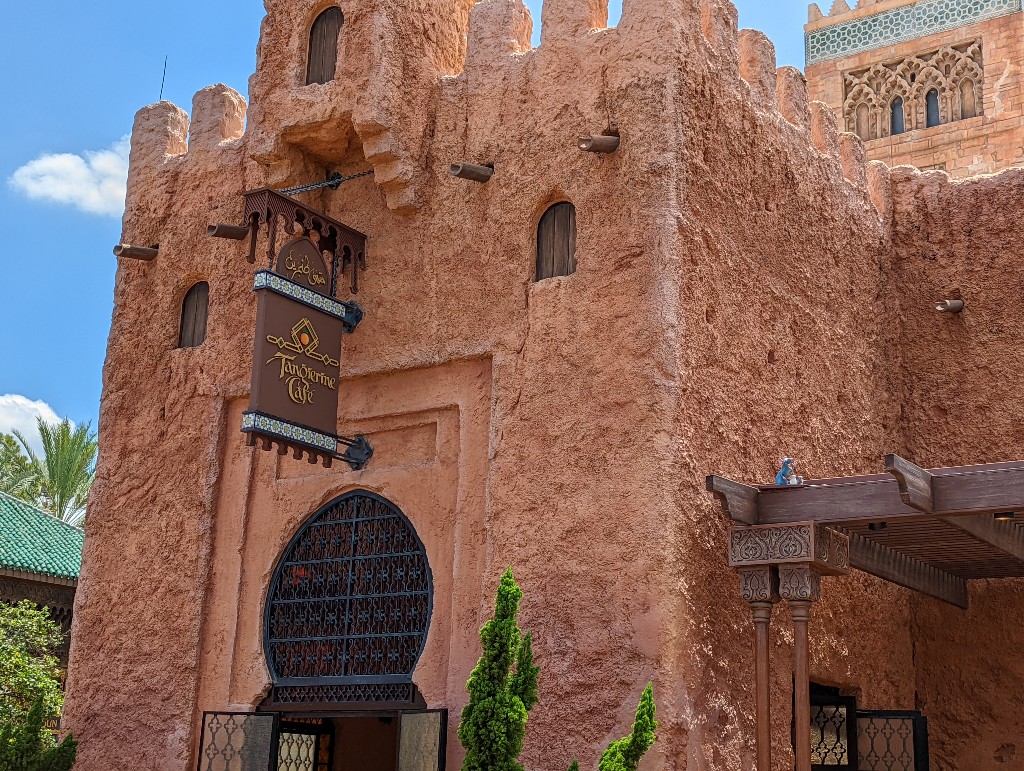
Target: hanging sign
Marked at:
296, 361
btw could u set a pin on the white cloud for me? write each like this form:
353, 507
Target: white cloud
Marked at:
19, 413
95, 181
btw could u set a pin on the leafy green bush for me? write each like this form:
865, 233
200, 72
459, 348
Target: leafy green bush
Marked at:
26, 746
493, 724
29, 671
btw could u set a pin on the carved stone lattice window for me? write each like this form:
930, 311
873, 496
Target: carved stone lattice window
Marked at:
914, 93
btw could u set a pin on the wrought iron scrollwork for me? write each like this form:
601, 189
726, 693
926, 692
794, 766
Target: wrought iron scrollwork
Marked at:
349, 606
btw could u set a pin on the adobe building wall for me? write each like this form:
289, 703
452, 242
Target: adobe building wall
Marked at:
730, 306
961, 404
962, 146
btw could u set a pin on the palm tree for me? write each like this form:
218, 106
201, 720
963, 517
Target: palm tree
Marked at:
16, 479
65, 471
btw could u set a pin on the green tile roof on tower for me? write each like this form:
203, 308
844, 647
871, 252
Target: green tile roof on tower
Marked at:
32, 541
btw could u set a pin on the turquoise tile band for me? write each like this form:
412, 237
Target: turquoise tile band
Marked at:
901, 24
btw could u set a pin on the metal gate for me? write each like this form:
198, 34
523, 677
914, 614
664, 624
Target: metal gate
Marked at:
844, 738
234, 741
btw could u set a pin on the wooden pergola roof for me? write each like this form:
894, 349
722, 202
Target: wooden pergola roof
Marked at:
930, 530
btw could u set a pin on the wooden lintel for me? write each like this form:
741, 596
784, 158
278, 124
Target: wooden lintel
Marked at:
907, 572
738, 500
962, 491
914, 482
1003, 536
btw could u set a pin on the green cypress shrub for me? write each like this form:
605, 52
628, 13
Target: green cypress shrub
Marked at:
493, 724
625, 754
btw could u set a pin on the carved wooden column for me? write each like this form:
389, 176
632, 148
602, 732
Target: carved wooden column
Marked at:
800, 585
759, 588
800, 553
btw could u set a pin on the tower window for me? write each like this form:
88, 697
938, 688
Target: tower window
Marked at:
556, 242
322, 64
194, 310
898, 121
932, 108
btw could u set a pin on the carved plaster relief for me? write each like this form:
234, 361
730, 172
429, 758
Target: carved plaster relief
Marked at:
955, 72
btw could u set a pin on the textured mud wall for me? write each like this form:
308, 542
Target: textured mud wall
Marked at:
961, 404
728, 308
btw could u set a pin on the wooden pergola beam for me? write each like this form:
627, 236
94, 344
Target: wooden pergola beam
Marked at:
914, 482
738, 500
950, 492
870, 557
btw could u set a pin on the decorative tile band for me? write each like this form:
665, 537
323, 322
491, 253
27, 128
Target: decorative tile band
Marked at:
266, 279
264, 424
900, 24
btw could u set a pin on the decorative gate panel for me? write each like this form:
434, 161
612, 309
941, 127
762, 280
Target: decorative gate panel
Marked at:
238, 742
892, 741
349, 606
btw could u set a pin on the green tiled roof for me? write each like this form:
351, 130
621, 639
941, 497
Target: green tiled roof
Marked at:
32, 541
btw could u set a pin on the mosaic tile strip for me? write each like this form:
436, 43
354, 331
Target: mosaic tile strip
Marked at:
900, 24
264, 424
266, 279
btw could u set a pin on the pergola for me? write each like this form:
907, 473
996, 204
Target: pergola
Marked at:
930, 530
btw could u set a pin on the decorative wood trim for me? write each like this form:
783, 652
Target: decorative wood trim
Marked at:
870, 557
826, 550
759, 585
800, 583
738, 500
914, 482
38, 578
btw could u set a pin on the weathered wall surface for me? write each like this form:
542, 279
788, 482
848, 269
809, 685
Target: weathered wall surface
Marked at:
988, 143
960, 405
729, 307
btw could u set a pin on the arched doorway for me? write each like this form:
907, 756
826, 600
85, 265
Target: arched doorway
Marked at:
345, 623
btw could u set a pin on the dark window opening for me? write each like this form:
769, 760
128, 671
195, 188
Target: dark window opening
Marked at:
898, 125
194, 311
322, 64
932, 104
556, 242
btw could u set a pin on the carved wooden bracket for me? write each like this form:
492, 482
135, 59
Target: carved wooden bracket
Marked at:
826, 550
759, 584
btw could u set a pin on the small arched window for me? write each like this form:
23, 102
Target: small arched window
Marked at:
897, 123
556, 242
968, 99
931, 100
322, 64
194, 309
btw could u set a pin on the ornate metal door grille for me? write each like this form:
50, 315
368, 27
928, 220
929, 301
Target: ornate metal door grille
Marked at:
237, 742
892, 741
833, 728
349, 606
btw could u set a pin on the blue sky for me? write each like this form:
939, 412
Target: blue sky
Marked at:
69, 101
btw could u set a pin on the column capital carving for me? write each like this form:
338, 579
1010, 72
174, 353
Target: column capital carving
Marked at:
799, 583
827, 550
759, 584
